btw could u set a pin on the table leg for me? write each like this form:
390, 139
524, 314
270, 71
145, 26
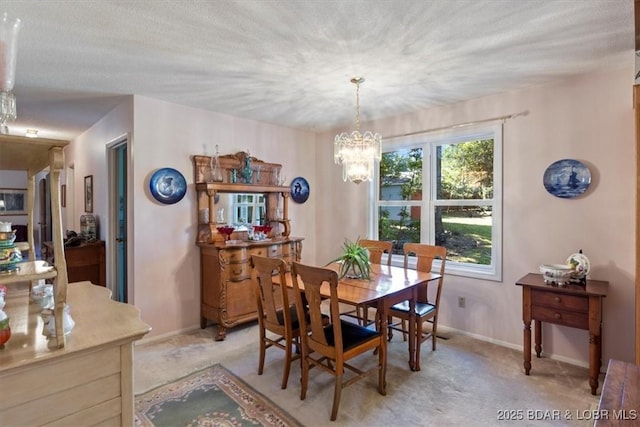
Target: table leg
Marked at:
594, 362
413, 364
527, 347
595, 341
538, 332
526, 318
383, 324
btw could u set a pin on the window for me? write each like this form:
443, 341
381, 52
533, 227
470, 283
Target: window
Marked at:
444, 190
249, 209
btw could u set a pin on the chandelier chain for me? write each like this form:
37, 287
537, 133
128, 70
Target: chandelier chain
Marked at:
358, 105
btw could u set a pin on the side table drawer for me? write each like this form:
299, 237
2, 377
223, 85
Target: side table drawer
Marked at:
560, 317
560, 301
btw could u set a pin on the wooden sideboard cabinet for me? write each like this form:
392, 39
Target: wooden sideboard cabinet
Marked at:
84, 262
227, 289
224, 186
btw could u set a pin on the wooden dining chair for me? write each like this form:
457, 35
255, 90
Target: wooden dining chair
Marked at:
330, 344
376, 248
426, 309
275, 313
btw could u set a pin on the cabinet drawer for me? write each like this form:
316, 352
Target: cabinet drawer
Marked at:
287, 248
275, 251
261, 251
560, 317
234, 255
238, 271
560, 301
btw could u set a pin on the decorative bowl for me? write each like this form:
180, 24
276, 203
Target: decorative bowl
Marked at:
9, 257
7, 238
555, 273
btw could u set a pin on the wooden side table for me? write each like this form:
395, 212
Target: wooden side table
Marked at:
574, 305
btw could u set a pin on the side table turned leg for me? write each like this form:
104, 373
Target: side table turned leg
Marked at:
538, 332
527, 347
594, 362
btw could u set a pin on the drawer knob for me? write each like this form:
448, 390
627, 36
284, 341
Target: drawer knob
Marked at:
557, 315
557, 299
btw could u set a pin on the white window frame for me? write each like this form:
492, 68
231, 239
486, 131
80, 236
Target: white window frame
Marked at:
429, 142
257, 203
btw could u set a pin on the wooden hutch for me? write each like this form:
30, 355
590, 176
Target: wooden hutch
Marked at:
85, 378
227, 289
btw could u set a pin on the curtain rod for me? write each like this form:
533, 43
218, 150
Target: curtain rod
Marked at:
493, 119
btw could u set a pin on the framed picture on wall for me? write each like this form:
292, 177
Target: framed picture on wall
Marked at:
13, 201
88, 194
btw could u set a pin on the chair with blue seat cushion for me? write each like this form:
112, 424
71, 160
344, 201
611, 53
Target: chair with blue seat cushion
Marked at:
426, 306
376, 249
329, 344
275, 313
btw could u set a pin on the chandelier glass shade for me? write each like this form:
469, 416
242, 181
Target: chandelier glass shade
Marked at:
356, 151
9, 29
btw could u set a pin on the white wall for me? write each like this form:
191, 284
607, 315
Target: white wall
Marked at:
589, 118
166, 261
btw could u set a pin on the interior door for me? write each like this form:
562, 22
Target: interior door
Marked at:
118, 209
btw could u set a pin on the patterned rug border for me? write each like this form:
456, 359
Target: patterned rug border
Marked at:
269, 414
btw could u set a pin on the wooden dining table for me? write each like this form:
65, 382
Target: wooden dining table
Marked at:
387, 286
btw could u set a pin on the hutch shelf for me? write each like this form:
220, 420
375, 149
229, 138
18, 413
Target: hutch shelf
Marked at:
34, 155
227, 288
85, 378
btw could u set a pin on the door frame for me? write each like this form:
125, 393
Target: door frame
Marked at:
112, 216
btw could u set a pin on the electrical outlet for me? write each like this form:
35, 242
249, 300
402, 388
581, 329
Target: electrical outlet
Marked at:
461, 302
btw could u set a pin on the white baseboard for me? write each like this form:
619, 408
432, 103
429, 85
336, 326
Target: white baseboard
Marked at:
155, 338
445, 329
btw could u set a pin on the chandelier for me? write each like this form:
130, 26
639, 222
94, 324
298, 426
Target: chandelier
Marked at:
8, 53
357, 151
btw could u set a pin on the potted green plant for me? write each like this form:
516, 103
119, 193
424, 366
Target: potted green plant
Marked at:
354, 261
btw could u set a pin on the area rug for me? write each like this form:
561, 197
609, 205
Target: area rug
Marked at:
213, 396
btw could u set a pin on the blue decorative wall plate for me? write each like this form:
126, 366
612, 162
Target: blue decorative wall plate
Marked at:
299, 190
167, 186
567, 178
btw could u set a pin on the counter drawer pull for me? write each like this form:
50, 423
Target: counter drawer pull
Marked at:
557, 299
557, 315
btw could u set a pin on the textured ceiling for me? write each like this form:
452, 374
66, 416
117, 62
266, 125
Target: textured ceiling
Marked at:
289, 62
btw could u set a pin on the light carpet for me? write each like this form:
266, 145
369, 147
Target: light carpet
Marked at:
464, 382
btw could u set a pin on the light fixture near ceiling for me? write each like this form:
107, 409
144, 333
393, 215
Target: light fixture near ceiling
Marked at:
8, 53
31, 133
357, 151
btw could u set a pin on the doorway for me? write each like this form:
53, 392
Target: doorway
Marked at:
118, 211
44, 220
